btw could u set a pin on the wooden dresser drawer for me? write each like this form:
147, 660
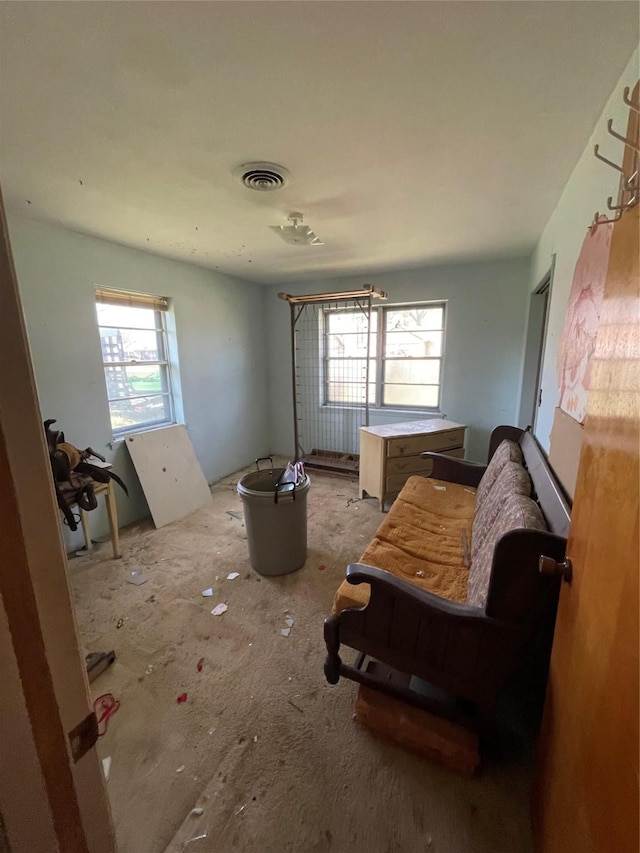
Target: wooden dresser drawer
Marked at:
458, 452
412, 445
402, 467
409, 465
396, 481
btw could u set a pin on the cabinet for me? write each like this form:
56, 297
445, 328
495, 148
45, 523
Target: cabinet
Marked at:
390, 453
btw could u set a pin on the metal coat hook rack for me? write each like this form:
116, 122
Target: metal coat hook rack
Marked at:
619, 136
629, 191
628, 101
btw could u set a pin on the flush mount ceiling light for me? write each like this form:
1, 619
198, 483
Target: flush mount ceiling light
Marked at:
297, 234
262, 177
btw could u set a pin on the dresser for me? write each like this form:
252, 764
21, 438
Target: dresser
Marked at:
390, 453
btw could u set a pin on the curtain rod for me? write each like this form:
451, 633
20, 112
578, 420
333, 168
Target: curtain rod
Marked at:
342, 295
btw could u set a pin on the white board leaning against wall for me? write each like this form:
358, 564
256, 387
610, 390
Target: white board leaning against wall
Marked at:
169, 473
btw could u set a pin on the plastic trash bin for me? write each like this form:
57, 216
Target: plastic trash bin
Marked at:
276, 521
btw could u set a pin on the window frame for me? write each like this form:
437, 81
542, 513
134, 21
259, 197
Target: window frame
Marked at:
380, 358
164, 363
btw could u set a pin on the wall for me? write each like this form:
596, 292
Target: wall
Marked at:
486, 308
220, 341
586, 191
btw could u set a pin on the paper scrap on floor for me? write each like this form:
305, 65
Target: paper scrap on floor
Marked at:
137, 577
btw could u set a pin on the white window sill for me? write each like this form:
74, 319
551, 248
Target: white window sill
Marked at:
385, 410
120, 438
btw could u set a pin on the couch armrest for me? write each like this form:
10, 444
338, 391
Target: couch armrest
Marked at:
358, 573
454, 470
454, 646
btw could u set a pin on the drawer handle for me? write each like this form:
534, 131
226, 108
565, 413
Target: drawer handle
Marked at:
402, 447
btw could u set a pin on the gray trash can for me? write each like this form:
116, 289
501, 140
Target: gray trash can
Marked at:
276, 521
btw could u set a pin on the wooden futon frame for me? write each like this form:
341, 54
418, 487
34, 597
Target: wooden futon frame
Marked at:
456, 659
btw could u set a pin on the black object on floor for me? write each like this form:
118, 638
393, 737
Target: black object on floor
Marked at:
97, 662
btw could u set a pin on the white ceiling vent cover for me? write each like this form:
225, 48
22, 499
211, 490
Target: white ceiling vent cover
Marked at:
263, 177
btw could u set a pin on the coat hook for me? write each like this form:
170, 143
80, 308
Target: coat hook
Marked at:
624, 139
628, 101
597, 221
596, 151
624, 206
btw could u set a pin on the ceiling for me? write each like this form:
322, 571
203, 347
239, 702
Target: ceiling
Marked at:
415, 132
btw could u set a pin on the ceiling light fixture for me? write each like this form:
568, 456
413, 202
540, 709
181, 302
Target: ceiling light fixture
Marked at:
297, 234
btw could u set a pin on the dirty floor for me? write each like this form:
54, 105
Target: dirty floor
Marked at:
262, 744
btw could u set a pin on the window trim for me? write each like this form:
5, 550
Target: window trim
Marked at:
159, 306
380, 359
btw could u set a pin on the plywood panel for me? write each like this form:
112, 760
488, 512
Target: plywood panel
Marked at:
169, 473
564, 450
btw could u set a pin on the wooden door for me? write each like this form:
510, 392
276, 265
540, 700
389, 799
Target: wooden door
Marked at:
586, 796
52, 797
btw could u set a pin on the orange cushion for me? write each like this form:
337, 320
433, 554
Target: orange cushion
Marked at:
425, 539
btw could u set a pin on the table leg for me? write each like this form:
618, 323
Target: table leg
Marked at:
112, 513
86, 529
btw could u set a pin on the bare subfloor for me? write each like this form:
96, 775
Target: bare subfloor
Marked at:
262, 744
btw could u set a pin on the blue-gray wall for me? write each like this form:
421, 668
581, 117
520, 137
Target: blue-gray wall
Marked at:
486, 310
215, 319
233, 342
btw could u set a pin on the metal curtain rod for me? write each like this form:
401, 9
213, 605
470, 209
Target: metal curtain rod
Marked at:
340, 296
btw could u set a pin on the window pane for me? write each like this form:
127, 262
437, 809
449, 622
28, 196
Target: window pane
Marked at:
350, 345
346, 380
125, 315
131, 344
346, 392
415, 319
347, 370
411, 395
349, 321
408, 344
346, 333
131, 381
139, 410
412, 371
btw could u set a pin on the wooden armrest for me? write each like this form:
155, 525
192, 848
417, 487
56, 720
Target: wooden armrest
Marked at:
454, 646
358, 573
454, 470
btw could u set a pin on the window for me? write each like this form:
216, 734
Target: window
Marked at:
134, 353
406, 350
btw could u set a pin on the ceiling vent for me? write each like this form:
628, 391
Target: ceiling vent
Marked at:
263, 177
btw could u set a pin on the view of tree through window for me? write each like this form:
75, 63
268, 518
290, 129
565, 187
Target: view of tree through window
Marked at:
134, 354
406, 349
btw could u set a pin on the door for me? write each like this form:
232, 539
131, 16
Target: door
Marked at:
534, 351
586, 794
52, 793
542, 308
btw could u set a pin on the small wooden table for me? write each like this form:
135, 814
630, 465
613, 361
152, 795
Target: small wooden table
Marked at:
105, 489
390, 453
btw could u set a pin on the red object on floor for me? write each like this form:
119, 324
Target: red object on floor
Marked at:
200, 664
181, 698
321, 568
103, 707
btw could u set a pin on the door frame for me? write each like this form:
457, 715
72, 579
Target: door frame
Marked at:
48, 801
534, 349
